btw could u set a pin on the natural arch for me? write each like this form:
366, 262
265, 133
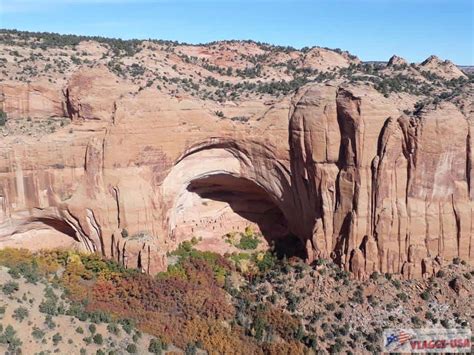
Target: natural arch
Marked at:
219, 189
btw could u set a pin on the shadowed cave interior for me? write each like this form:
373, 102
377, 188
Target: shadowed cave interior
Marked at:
220, 203
43, 233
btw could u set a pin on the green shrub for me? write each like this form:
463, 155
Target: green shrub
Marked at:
330, 307
190, 349
358, 296
3, 118
20, 314
425, 295
98, 339
113, 328
14, 273
248, 240
92, 328
374, 275
100, 317
132, 349
49, 304
265, 261
397, 284
56, 338
429, 315
9, 338
155, 347
49, 321
320, 262
127, 325
37, 333
10, 287
29, 270
293, 301
416, 321
402, 296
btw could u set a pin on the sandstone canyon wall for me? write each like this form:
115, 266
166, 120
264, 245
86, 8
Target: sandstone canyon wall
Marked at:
339, 166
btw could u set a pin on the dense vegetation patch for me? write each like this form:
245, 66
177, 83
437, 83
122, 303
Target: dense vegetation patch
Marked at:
189, 305
249, 300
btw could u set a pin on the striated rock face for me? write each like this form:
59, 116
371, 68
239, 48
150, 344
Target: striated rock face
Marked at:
381, 191
334, 171
35, 100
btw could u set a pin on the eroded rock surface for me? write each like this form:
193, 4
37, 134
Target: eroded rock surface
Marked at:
391, 192
339, 166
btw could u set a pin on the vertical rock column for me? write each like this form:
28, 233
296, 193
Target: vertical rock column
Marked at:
314, 148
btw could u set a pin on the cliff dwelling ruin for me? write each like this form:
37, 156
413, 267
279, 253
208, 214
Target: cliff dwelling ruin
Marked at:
214, 198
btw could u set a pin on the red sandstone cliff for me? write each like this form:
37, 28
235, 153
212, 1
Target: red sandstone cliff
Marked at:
338, 165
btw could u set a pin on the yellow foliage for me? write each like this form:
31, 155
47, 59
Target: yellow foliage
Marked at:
218, 338
285, 348
74, 258
11, 257
232, 238
248, 231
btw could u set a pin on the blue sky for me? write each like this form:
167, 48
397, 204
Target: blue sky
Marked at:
371, 29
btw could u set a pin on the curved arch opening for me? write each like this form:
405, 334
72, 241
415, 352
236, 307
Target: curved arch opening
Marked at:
215, 204
43, 233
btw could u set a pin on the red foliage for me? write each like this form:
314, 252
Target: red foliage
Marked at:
161, 306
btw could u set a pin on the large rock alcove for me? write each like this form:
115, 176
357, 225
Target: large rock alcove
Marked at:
39, 233
217, 190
